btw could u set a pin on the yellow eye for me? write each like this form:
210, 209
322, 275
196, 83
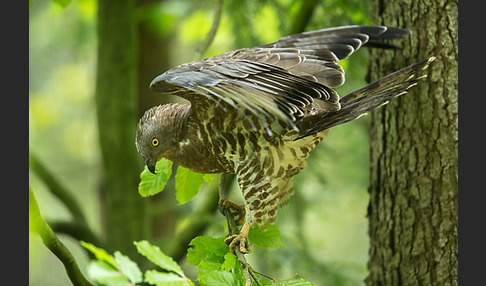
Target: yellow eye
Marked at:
155, 142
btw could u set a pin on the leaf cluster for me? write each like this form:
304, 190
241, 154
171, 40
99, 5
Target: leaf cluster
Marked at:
120, 270
216, 266
188, 183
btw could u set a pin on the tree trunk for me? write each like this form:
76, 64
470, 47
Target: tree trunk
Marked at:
125, 211
414, 176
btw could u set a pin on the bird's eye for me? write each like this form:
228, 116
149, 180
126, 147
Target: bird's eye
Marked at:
155, 142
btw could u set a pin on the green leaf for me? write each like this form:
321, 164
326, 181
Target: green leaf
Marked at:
219, 278
100, 253
267, 236
154, 254
151, 184
105, 274
155, 277
229, 262
208, 178
208, 264
266, 282
207, 248
128, 267
208, 254
187, 185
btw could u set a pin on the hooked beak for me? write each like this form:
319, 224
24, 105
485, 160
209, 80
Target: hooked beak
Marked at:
150, 166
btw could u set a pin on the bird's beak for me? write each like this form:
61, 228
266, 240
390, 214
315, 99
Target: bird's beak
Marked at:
150, 166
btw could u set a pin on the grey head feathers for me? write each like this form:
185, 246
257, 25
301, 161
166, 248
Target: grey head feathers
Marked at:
159, 131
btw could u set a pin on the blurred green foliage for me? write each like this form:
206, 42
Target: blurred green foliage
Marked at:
324, 227
216, 266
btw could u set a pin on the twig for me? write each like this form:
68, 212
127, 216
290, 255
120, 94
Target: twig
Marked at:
82, 231
233, 229
53, 243
254, 277
212, 32
75, 230
56, 188
222, 187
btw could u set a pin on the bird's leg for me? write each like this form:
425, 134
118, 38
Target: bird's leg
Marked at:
236, 211
225, 206
240, 240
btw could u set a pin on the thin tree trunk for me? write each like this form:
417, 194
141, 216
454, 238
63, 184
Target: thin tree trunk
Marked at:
125, 212
414, 175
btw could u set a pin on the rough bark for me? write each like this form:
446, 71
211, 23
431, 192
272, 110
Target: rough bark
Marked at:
125, 212
414, 177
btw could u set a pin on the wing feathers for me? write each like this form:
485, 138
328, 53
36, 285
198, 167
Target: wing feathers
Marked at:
367, 98
286, 80
265, 91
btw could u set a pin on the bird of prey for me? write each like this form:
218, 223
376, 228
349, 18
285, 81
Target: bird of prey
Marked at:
258, 112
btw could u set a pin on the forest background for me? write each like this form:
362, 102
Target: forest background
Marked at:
324, 227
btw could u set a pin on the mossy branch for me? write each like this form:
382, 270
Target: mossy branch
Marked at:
56, 188
52, 242
78, 228
248, 273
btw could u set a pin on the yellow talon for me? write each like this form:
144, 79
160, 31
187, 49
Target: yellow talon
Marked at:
240, 240
234, 209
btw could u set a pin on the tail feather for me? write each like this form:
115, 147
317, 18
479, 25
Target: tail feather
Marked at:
374, 95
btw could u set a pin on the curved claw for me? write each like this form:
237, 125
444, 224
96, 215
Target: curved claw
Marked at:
238, 240
236, 210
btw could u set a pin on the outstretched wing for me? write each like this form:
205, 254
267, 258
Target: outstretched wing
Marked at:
286, 79
266, 91
315, 54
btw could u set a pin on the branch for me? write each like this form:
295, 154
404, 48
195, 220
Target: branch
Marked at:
82, 229
56, 188
75, 230
233, 229
53, 243
212, 32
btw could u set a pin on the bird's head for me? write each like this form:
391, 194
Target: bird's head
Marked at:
158, 133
